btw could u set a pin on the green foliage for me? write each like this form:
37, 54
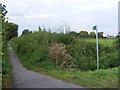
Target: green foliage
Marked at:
33, 50
92, 34
109, 60
65, 39
35, 47
117, 43
84, 34
6, 67
11, 30
100, 34
26, 31
85, 54
5, 63
5, 36
73, 34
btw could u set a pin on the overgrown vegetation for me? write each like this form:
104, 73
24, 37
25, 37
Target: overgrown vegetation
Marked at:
36, 47
104, 78
6, 68
8, 31
34, 50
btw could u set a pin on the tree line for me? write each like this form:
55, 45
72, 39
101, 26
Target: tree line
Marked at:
85, 34
81, 34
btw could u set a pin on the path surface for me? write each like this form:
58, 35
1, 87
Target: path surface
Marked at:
24, 78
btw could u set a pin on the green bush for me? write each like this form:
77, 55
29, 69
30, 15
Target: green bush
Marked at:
66, 39
85, 54
35, 47
109, 60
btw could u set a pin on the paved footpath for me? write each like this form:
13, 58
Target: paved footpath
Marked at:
24, 78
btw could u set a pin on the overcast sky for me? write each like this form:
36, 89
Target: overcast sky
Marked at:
81, 14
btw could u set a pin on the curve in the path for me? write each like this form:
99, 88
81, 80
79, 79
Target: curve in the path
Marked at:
24, 78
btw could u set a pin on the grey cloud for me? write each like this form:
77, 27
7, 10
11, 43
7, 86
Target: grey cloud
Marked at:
82, 14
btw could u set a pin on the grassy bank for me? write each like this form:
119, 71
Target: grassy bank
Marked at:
77, 65
6, 69
103, 78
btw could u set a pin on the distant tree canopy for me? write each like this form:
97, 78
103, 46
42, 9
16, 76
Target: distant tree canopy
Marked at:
92, 34
100, 34
118, 36
39, 29
26, 31
73, 33
11, 30
84, 34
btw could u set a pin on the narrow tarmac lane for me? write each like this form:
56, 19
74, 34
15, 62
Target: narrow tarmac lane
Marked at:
24, 78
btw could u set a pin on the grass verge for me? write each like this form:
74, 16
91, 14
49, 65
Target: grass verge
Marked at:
103, 78
6, 69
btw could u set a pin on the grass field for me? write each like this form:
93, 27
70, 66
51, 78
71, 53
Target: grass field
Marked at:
105, 42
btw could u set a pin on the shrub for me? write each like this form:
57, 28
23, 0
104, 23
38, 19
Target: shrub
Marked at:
64, 50
33, 46
84, 34
57, 53
109, 60
85, 54
66, 39
86, 63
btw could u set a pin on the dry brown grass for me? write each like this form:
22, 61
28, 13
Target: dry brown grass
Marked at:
57, 53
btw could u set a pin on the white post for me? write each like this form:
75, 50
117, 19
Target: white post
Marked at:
64, 30
97, 48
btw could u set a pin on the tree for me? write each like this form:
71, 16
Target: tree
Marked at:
118, 36
92, 34
39, 28
11, 30
44, 29
100, 34
26, 31
73, 33
84, 34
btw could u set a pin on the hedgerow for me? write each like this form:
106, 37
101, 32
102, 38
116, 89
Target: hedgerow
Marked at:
36, 47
